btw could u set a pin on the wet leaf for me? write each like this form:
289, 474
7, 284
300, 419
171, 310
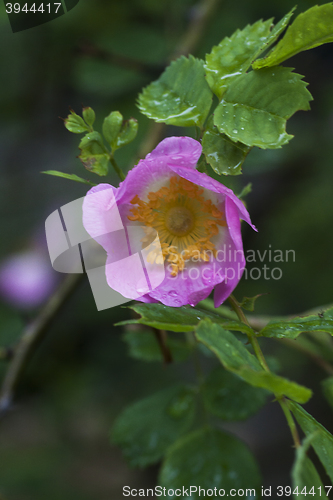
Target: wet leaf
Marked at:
181, 96
230, 398
147, 428
180, 319
209, 458
256, 106
236, 358
224, 155
310, 29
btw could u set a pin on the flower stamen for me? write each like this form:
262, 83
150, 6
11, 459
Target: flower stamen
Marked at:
185, 222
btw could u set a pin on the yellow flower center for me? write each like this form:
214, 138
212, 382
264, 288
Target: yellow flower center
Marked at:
179, 221
185, 221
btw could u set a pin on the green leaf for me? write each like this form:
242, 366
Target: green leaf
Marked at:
144, 346
72, 177
322, 441
234, 55
236, 358
279, 28
180, 319
310, 29
128, 133
248, 302
245, 191
94, 155
230, 398
327, 388
181, 96
88, 116
111, 127
92, 143
209, 458
147, 428
98, 164
74, 123
292, 328
304, 473
225, 156
256, 105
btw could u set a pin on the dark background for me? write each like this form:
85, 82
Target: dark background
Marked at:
54, 443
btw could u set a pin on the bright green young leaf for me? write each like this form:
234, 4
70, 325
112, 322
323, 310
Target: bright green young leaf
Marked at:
89, 116
292, 328
74, 123
224, 155
71, 177
248, 302
327, 388
245, 191
92, 143
230, 398
147, 428
322, 440
304, 473
209, 458
236, 358
180, 319
234, 55
310, 29
256, 105
128, 133
144, 346
111, 127
181, 96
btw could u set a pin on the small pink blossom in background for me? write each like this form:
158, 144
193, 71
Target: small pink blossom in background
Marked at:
193, 215
26, 279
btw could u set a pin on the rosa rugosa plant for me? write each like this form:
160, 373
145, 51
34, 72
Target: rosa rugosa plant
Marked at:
196, 218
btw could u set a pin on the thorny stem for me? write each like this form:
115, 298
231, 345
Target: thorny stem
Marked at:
32, 336
258, 352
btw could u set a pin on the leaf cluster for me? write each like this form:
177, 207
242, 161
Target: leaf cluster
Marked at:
255, 95
234, 390
95, 155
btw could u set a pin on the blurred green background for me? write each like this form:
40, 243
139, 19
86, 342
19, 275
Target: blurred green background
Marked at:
54, 443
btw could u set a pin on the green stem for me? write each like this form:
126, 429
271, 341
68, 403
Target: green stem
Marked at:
117, 169
260, 356
251, 336
290, 421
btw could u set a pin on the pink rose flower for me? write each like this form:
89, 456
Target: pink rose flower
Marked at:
196, 218
26, 279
